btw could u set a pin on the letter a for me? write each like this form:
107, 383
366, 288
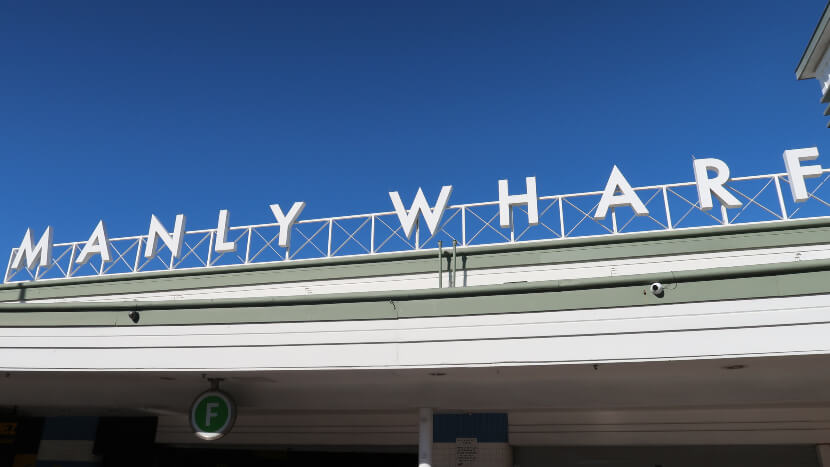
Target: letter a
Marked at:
98, 243
627, 196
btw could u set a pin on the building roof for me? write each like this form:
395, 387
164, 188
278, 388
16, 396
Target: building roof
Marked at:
816, 48
105, 301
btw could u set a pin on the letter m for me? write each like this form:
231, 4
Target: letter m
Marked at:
39, 254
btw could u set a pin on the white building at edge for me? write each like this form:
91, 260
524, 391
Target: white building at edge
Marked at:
815, 61
680, 337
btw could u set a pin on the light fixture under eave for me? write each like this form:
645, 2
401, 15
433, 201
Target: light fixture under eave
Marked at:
733, 367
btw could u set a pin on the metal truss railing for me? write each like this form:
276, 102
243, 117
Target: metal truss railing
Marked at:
671, 207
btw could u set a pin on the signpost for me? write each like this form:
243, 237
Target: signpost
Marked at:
212, 415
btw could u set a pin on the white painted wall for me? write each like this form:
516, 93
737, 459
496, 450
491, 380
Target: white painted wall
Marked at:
823, 72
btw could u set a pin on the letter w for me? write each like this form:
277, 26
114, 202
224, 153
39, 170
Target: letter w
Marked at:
421, 206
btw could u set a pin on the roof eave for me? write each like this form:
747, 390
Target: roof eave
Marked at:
803, 70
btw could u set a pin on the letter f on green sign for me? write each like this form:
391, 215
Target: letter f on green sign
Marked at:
210, 412
212, 415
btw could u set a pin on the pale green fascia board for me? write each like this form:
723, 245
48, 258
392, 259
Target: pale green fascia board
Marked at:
470, 250
481, 290
821, 28
790, 233
730, 283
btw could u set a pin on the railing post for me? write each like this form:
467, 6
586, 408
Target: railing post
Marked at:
72, 260
9, 265
248, 246
781, 203
668, 210
138, 255
210, 249
463, 225
372, 238
328, 251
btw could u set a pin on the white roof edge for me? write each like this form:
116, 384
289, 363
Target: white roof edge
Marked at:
816, 47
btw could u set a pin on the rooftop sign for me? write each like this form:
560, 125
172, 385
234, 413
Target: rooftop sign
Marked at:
522, 216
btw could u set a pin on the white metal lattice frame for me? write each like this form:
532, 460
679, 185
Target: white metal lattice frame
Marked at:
380, 233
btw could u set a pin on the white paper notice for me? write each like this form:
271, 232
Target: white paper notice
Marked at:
466, 452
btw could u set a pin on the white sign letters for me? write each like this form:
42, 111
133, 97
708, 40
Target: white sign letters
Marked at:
706, 187
98, 243
507, 201
287, 220
797, 172
222, 244
626, 196
421, 206
712, 182
34, 255
172, 242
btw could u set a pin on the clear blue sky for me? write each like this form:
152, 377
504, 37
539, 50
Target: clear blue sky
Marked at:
115, 112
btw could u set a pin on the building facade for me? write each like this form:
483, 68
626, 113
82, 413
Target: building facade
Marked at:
672, 325
815, 61
556, 352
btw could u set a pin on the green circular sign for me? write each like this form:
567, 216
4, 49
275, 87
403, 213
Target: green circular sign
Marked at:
212, 415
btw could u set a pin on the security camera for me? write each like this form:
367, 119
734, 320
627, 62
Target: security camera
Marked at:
656, 289
134, 316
